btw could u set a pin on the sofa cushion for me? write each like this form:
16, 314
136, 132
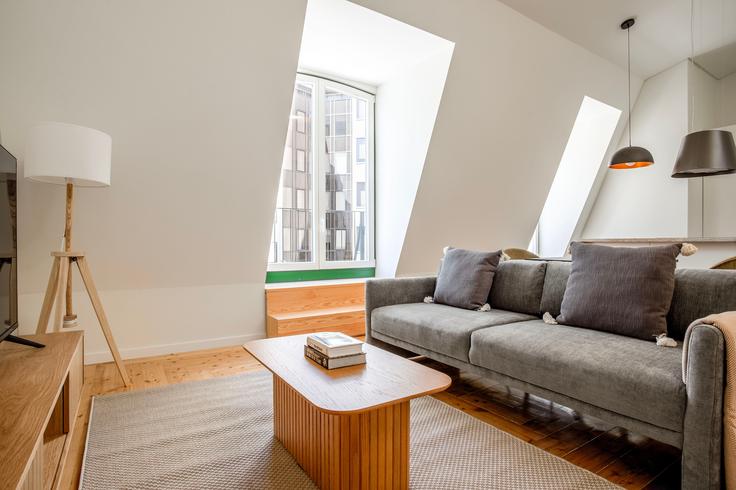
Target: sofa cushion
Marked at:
621, 290
517, 286
555, 283
698, 293
465, 278
438, 328
624, 375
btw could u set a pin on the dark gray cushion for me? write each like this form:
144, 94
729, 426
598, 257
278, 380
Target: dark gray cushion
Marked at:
438, 328
555, 282
517, 286
622, 290
624, 375
698, 293
465, 278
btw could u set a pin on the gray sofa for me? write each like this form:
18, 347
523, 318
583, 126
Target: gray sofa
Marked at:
625, 381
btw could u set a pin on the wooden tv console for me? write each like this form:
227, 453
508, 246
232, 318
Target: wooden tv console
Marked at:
40, 391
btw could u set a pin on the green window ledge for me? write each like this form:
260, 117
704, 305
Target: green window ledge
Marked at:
319, 274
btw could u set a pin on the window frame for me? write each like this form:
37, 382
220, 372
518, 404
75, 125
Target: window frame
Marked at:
319, 173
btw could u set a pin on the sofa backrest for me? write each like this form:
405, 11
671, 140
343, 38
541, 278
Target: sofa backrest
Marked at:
555, 283
698, 293
518, 285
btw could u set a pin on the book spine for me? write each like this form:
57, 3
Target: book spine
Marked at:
316, 357
332, 363
318, 346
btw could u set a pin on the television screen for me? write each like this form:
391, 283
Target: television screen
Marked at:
8, 244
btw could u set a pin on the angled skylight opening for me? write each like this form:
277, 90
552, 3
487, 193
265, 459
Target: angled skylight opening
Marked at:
576, 174
367, 93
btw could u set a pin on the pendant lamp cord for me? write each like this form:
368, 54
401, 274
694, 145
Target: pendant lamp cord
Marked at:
692, 61
628, 57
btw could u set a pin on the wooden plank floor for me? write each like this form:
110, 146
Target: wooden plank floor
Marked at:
627, 459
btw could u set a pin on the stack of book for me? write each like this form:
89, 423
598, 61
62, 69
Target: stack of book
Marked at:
334, 350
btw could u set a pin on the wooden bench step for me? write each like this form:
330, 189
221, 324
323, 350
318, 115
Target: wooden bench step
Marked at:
308, 309
304, 315
350, 321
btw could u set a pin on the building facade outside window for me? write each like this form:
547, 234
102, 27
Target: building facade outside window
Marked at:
324, 214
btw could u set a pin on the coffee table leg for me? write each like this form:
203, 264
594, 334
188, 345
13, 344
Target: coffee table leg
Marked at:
366, 450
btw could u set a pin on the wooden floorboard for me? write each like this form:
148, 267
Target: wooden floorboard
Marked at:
627, 459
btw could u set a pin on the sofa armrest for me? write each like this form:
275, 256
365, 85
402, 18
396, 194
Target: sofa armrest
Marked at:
703, 362
386, 292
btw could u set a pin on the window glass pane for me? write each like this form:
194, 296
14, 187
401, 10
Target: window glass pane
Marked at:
360, 198
291, 236
346, 233
340, 162
286, 197
360, 150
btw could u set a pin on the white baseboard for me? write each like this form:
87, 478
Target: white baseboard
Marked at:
159, 350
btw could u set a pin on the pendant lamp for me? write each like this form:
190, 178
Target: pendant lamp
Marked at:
630, 156
704, 153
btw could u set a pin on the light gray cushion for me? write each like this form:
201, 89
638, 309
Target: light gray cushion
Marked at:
517, 286
465, 278
555, 282
622, 290
698, 293
439, 328
621, 374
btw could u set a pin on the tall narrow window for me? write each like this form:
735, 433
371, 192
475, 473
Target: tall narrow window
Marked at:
325, 196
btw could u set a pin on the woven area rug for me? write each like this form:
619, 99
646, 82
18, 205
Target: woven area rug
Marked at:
218, 434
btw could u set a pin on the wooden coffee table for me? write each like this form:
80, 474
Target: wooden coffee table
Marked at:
347, 427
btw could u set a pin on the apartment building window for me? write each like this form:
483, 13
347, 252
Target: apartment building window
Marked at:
324, 213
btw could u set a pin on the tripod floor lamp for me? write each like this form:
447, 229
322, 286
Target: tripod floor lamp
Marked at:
70, 155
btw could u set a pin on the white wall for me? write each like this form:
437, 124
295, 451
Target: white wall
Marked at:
405, 116
509, 103
646, 202
703, 99
196, 96
727, 102
719, 202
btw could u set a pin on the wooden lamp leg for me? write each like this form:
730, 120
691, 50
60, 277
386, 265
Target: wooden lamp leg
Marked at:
55, 295
48, 300
102, 317
63, 275
70, 318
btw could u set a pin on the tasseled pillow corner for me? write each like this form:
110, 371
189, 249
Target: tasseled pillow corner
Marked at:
688, 249
664, 341
549, 319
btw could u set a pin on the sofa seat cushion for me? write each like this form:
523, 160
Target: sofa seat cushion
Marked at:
628, 376
439, 328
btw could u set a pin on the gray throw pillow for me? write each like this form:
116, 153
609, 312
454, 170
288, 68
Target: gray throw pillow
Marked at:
626, 291
465, 278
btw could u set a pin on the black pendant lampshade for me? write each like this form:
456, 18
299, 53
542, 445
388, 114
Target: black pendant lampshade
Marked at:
705, 153
630, 156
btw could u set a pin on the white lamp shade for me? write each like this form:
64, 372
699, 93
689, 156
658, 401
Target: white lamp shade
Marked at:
60, 153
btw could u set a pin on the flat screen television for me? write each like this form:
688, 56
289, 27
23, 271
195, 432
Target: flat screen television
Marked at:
8, 250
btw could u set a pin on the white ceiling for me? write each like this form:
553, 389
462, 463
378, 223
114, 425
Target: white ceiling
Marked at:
335, 30
660, 38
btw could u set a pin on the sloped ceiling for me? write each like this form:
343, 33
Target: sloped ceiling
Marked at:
660, 39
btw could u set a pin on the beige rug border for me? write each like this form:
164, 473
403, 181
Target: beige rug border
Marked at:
262, 373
